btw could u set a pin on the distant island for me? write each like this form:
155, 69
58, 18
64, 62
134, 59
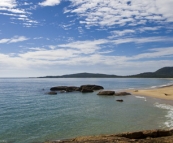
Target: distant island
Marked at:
165, 72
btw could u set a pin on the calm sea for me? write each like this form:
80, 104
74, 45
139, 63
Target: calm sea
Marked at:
29, 115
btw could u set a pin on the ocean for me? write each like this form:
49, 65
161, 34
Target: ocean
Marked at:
28, 114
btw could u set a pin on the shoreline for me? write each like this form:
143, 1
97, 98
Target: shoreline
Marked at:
145, 136
164, 92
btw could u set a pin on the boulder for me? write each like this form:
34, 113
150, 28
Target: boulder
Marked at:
52, 93
86, 90
58, 88
74, 88
97, 87
71, 88
109, 93
119, 100
62, 91
91, 87
122, 94
132, 135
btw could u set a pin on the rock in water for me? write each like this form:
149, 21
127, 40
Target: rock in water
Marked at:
71, 88
91, 87
86, 90
58, 88
122, 94
119, 100
52, 93
109, 93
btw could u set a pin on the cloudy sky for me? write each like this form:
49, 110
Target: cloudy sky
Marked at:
56, 37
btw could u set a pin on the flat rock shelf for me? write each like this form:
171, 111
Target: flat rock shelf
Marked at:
147, 136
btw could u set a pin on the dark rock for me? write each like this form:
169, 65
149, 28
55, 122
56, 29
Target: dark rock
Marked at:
97, 87
72, 88
86, 90
109, 93
52, 93
147, 134
62, 91
132, 135
150, 136
164, 132
78, 89
119, 100
122, 94
58, 88
91, 87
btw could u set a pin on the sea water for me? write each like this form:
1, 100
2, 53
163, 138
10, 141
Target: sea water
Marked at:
29, 115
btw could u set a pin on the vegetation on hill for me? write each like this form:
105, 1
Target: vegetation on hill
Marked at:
165, 72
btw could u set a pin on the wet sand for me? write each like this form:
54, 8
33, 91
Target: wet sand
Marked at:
165, 92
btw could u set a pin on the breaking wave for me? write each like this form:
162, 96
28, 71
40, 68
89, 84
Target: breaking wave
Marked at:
169, 115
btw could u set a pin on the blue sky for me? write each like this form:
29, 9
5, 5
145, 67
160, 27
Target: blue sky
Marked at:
56, 37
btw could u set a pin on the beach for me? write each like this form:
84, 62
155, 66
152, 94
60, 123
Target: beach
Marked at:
165, 92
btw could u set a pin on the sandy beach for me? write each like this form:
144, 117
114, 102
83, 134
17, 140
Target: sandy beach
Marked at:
161, 92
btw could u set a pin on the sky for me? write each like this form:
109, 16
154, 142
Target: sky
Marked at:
57, 37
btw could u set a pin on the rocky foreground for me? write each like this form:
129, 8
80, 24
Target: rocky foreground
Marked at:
148, 136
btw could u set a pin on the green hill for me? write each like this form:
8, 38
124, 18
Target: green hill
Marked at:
166, 72
83, 75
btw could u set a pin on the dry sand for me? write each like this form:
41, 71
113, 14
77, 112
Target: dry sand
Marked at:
162, 92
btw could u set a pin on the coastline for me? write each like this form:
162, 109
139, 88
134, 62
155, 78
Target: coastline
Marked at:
146, 136
164, 92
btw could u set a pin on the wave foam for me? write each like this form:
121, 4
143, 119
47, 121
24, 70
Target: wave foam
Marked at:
169, 116
163, 85
141, 97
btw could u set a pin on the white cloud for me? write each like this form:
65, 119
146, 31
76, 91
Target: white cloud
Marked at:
8, 3
4, 41
155, 53
85, 46
14, 39
118, 33
13, 9
82, 54
143, 29
50, 2
142, 40
49, 55
113, 12
41, 58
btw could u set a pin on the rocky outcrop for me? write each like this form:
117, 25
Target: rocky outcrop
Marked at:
82, 88
113, 93
122, 94
91, 87
86, 90
64, 88
119, 100
109, 93
149, 136
58, 88
52, 93
71, 88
